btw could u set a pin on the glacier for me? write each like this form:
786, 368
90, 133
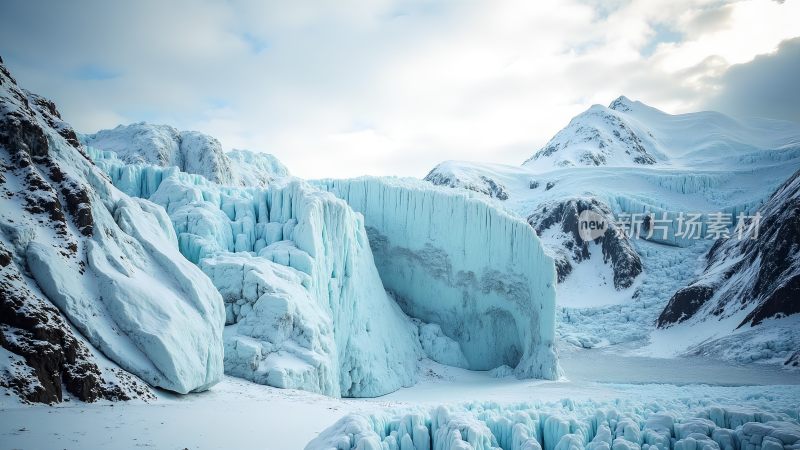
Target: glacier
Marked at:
304, 305
303, 284
457, 261
703, 163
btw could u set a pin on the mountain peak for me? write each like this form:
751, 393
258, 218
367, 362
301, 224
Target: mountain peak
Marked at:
621, 103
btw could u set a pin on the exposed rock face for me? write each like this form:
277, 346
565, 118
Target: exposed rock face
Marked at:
74, 245
569, 248
45, 354
793, 360
760, 274
481, 184
41, 352
685, 303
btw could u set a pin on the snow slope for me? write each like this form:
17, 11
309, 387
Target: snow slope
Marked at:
190, 151
458, 262
108, 262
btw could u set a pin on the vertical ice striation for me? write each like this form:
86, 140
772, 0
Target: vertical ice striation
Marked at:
458, 262
305, 306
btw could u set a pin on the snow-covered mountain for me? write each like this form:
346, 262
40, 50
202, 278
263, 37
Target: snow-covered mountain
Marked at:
631, 134
190, 151
702, 163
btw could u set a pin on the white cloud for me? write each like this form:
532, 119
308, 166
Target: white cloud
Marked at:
386, 87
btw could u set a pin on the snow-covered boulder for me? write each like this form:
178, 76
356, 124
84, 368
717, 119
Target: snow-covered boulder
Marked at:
459, 262
110, 264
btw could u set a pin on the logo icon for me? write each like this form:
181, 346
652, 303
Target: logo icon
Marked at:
591, 225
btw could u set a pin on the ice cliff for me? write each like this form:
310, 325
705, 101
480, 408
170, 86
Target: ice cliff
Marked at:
75, 248
461, 263
305, 307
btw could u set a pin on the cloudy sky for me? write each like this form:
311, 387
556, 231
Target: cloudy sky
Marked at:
345, 88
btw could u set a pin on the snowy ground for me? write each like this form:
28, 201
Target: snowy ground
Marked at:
242, 415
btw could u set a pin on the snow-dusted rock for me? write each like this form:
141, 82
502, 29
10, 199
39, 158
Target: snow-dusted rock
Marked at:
461, 263
556, 223
756, 273
446, 174
108, 262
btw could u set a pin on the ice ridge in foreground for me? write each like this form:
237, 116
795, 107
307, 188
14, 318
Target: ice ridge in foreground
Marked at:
569, 426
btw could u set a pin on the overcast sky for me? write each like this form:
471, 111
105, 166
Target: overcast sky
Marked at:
345, 88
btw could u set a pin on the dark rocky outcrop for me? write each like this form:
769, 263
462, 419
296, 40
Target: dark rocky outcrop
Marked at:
44, 354
482, 184
760, 273
684, 304
49, 354
617, 248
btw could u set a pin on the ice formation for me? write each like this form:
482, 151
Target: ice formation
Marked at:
488, 426
190, 151
110, 263
305, 306
459, 262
